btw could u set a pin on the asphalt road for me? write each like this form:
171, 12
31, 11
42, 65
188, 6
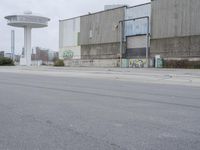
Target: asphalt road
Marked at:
65, 113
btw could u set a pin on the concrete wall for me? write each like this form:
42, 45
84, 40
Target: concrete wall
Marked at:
69, 31
126, 63
172, 18
177, 47
101, 27
93, 63
100, 51
70, 52
100, 34
138, 26
175, 28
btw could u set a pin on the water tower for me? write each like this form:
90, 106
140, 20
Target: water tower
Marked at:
27, 20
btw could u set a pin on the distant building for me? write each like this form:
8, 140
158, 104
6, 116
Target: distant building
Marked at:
17, 58
52, 56
1, 53
43, 56
8, 55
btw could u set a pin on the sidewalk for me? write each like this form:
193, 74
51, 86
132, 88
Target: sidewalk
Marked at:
187, 77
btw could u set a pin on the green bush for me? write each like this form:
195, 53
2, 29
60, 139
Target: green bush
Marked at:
59, 63
182, 64
6, 61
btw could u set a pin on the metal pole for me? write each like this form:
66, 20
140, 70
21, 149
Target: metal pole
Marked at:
121, 42
13, 44
147, 46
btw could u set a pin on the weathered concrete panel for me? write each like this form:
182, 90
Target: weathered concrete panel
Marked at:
136, 53
100, 51
136, 41
69, 31
138, 26
175, 18
177, 47
126, 63
176, 28
195, 46
93, 63
102, 27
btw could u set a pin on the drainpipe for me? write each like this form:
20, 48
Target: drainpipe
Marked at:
147, 46
121, 42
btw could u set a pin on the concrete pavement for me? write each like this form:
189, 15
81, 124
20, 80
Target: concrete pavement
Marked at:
98, 109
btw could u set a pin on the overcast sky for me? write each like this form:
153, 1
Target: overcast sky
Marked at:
55, 10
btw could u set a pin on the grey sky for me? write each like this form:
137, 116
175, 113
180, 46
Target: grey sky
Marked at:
55, 10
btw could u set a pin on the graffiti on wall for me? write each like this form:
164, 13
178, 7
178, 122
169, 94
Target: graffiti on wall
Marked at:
68, 54
137, 63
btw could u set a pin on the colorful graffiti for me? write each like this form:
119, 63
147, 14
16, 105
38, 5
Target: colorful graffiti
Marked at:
137, 63
68, 54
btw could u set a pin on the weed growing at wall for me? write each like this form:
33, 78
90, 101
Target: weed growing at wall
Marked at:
182, 64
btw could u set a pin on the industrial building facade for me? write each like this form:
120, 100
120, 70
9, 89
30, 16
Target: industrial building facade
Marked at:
94, 39
175, 29
100, 34
136, 30
69, 32
132, 36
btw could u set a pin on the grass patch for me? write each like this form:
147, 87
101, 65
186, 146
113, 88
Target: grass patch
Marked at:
59, 63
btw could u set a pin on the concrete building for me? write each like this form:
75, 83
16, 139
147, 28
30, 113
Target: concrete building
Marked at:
1, 53
95, 39
42, 56
175, 29
8, 55
52, 56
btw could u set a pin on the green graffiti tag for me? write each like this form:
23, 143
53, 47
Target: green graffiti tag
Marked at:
68, 54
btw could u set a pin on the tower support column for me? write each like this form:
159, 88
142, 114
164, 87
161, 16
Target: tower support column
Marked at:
27, 45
